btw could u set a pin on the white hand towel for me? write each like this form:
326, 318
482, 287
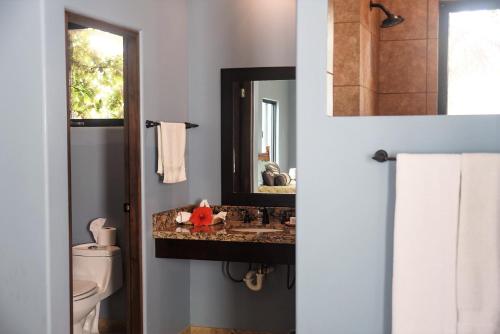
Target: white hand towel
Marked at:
171, 152
478, 272
425, 244
183, 217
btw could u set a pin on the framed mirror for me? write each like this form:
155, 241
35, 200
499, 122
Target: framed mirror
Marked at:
400, 57
258, 138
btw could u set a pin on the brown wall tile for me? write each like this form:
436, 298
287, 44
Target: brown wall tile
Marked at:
346, 101
402, 104
374, 22
415, 24
346, 54
365, 59
383, 71
402, 66
375, 62
432, 65
364, 13
347, 11
432, 104
368, 102
368, 59
433, 19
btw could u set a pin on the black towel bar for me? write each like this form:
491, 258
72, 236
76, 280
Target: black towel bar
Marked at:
152, 124
382, 156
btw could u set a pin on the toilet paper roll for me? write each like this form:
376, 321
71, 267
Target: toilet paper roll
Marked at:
107, 236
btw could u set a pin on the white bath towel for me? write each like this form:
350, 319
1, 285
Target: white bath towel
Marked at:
171, 152
478, 272
425, 244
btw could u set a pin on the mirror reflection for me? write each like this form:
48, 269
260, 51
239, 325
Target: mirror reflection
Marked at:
274, 139
258, 138
399, 57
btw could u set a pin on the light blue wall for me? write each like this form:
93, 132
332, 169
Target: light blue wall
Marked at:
34, 253
98, 190
163, 56
24, 260
345, 217
35, 256
228, 34
218, 302
97, 180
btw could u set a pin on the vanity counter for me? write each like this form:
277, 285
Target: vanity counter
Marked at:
222, 242
225, 232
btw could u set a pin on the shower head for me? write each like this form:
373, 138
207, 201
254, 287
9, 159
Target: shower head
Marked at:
391, 19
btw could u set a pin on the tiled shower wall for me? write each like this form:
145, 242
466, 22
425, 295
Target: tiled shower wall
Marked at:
355, 37
408, 60
377, 71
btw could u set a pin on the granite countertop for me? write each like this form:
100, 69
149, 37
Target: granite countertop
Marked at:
165, 227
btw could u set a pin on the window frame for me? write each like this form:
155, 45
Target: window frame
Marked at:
445, 9
274, 124
97, 122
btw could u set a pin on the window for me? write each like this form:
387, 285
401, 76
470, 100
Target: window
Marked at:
270, 128
96, 77
470, 50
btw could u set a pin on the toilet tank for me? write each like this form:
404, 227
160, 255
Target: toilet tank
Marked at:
100, 264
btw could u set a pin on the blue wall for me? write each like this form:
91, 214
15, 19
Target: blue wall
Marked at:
218, 302
163, 69
226, 34
98, 190
345, 216
24, 258
163, 50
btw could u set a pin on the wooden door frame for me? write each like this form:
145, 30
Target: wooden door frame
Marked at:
132, 256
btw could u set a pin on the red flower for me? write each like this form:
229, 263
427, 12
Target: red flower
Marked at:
201, 216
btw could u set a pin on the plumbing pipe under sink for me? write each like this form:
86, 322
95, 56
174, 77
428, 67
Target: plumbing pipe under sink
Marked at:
254, 279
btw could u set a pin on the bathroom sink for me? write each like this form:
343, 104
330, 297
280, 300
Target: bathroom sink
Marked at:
256, 230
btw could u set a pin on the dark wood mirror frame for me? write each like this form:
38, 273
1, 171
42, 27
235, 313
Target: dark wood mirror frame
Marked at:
233, 80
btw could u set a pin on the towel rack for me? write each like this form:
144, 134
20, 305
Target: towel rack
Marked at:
152, 124
382, 156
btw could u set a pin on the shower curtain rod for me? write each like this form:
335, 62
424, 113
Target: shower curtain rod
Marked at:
152, 124
382, 156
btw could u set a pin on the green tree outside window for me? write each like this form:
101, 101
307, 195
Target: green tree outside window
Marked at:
96, 82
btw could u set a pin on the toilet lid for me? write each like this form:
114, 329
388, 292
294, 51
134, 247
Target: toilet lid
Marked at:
83, 289
95, 250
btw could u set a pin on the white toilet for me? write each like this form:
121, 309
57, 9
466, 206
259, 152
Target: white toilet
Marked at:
97, 274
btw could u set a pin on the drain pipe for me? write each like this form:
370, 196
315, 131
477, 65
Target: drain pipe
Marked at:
254, 280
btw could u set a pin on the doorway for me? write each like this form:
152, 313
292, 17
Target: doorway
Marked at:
102, 64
